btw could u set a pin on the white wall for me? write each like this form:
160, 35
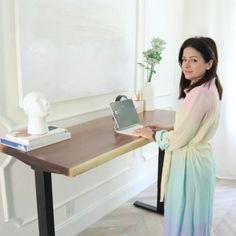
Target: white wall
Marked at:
165, 20
81, 200
224, 30
158, 19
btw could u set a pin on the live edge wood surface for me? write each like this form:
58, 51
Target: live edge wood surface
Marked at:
92, 144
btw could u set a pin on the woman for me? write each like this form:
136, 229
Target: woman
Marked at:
188, 176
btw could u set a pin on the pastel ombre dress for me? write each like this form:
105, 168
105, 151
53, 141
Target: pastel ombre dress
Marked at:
188, 176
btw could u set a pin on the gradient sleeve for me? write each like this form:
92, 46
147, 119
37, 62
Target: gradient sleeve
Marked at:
189, 118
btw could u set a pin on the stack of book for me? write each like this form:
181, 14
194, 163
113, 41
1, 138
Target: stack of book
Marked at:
24, 141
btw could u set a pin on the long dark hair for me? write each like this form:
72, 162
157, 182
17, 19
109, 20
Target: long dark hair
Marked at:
207, 47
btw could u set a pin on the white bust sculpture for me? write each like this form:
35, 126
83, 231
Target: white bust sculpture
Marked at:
36, 107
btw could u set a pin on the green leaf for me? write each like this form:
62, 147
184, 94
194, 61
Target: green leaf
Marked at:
152, 56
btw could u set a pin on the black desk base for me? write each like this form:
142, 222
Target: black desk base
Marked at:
43, 185
159, 208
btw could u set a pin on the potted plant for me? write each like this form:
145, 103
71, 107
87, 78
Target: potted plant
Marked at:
152, 57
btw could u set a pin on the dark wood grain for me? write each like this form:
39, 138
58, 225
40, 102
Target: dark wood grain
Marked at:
92, 144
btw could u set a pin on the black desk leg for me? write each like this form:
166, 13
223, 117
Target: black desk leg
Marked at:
43, 184
159, 208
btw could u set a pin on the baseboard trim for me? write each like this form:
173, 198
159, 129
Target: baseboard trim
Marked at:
80, 221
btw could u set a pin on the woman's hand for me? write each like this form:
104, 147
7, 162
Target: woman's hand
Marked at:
158, 127
148, 131
145, 132
154, 127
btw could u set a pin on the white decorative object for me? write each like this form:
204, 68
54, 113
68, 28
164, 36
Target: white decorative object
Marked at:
36, 107
148, 95
152, 57
139, 105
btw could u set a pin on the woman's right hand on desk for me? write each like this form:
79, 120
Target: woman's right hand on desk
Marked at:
159, 127
154, 127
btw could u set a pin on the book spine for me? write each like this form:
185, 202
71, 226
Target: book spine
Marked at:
48, 138
24, 147
36, 139
46, 142
14, 145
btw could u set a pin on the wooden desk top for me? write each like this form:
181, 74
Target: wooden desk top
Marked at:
92, 144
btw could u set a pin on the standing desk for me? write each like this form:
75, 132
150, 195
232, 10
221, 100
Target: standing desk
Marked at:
92, 144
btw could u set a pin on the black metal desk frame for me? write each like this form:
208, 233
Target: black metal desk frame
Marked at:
159, 208
43, 185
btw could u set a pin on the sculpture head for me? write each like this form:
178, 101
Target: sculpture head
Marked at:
36, 107
35, 104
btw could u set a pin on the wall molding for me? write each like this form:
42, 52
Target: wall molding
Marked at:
6, 191
74, 118
70, 210
146, 157
8, 203
102, 111
84, 116
100, 208
140, 42
6, 122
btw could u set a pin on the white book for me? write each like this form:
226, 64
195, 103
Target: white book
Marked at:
44, 142
23, 137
